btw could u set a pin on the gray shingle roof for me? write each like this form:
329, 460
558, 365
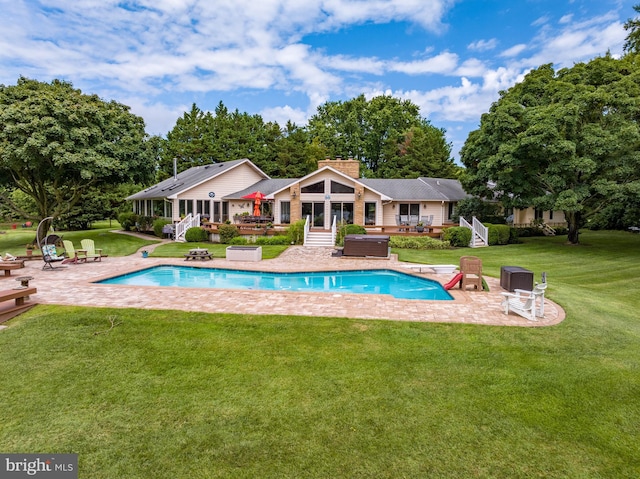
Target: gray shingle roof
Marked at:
421, 189
185, 180
266, 187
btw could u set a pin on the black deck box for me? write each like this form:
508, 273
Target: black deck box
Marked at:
515, 277
366, 245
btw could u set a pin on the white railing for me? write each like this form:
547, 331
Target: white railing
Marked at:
478, 231
189, 221
333, 230
307, 227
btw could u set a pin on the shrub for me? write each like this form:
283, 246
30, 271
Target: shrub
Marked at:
272, 240
196, 234
504, 233
145, 223
227, 233
238, 241
295, 232
345, 230
457, 236
127, 220
417, 242
498, 234
513, 235
158, 225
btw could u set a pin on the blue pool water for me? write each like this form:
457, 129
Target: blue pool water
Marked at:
381, 281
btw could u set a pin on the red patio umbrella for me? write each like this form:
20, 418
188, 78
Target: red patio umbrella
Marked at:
257, 197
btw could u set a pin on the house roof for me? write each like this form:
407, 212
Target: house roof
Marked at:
267, 187
420, 189
187, 179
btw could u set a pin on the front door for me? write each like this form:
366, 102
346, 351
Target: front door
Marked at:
316, 211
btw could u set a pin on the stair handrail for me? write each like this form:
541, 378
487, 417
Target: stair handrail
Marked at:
307, 226
334, 229
189, 221
480, 230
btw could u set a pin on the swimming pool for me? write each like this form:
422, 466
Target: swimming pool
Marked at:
379, 281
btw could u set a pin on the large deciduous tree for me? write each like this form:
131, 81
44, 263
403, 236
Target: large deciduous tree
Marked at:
565, 141
56, 143
385, 134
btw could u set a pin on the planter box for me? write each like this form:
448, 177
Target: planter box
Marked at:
244, 253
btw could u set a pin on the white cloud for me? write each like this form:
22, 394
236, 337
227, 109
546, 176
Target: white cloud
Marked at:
483, 45
444, 63
514, 51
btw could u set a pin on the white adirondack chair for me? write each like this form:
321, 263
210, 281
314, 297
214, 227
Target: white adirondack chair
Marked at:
528, 304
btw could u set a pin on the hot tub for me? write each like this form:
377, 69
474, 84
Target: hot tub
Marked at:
366, 245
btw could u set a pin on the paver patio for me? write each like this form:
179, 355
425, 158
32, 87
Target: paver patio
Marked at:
74, 285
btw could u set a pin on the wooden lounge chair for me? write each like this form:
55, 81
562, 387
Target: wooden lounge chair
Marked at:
73, 255
528, 304
89, 246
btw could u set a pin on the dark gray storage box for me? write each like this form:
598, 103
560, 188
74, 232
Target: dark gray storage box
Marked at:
515, 277
366, 245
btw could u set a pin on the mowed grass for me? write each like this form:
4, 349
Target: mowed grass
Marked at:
169, 394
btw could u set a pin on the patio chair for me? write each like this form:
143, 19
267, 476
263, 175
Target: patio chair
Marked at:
427, 220
73, 256
528, 304
89, 246
471, 269
50, 256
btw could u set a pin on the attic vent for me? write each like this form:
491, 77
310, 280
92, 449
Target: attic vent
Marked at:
220, 165
151, 188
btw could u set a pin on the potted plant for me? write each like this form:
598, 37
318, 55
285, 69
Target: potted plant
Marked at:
420, 227
145, 254
30, 247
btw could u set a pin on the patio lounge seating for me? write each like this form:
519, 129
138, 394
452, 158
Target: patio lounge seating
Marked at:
528, 304
73, 255
50, 256
89, 246
471, 269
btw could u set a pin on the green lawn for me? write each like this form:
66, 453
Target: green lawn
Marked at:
169, 394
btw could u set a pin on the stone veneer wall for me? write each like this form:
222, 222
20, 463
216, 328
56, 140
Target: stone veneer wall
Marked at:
349, 167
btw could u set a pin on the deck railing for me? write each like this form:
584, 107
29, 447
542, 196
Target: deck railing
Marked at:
334, 229
189, 221
478, 232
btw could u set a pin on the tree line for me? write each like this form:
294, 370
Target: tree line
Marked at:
68, 155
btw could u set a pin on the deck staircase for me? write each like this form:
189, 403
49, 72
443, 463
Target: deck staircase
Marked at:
188, 222
319, 239
479, 232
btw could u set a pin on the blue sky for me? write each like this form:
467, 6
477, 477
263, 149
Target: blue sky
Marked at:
283, 58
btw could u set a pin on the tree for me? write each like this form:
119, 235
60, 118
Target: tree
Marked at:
632, 25
422, 152
56, 143
565, 141
296, 155
385, 134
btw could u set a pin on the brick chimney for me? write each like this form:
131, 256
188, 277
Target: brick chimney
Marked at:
349, 167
